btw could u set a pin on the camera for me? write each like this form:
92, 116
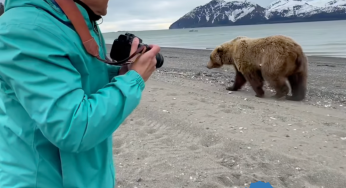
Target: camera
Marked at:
121, 48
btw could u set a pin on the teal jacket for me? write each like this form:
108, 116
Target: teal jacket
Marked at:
58, 105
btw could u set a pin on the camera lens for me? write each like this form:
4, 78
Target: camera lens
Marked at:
159, 60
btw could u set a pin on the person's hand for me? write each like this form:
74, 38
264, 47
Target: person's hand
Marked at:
134, 47
146, 63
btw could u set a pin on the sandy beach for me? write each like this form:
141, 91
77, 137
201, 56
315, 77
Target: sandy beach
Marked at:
189, 132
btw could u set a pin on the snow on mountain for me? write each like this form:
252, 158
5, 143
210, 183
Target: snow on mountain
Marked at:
287, 8
301, 8
241, 12
222, 10
326, 3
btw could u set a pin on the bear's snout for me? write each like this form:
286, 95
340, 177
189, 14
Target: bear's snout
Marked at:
209, 65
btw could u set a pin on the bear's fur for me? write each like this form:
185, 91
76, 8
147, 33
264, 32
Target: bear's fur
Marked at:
273, 59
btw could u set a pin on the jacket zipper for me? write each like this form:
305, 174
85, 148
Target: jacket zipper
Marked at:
99, 37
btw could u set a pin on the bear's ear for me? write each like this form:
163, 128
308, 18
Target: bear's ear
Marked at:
238, 37
219, 50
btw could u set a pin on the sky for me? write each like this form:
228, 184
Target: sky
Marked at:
134, 15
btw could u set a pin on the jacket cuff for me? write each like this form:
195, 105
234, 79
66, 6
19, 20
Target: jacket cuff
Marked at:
131, 76
139, 79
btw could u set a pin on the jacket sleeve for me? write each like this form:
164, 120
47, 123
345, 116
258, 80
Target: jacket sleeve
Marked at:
113, 70
36, 66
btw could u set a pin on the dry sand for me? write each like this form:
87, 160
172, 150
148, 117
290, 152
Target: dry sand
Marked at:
189, 132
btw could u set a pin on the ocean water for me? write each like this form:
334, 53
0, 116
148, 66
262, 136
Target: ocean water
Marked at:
326, 38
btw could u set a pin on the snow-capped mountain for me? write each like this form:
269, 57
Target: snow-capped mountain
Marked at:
218, 10
307, 8
222, 13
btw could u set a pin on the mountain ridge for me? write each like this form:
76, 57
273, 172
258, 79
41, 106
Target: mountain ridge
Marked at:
222, 13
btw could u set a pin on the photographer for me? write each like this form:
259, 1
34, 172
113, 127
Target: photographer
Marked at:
58, 104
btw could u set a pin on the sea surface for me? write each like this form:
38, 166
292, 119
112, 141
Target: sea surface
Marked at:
326, 38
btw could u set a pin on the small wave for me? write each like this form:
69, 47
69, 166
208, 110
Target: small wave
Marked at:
335, 44
186, 47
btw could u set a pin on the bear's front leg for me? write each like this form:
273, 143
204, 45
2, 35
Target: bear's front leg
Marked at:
239, 81
256, 82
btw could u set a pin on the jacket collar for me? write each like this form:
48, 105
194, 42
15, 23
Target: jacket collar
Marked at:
52, 8
92, 16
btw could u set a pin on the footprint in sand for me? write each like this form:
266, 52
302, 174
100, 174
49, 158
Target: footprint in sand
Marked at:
227, 161
118, 142
231, 111
210, 116
282, 118
227, 111
141, 155
193, 147
222, 106
224, 180
158, 136
151, 130
157, 89
209, 140
210, 185
167, 141
269, 129
192, 103
203, 100
140, 122
247, 107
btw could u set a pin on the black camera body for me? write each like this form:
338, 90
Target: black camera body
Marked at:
121, 48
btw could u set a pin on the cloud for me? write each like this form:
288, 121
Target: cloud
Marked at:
132, 15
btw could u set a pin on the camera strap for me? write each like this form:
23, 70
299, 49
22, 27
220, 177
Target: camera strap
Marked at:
72, 12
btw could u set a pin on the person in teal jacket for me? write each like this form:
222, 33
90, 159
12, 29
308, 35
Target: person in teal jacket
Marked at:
59, 105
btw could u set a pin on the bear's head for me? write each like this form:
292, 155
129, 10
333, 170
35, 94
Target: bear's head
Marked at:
223, 54
215, 60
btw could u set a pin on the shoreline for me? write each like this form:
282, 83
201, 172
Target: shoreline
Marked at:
220, 26
210, 49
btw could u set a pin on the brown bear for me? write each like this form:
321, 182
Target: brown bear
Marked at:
274, 59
